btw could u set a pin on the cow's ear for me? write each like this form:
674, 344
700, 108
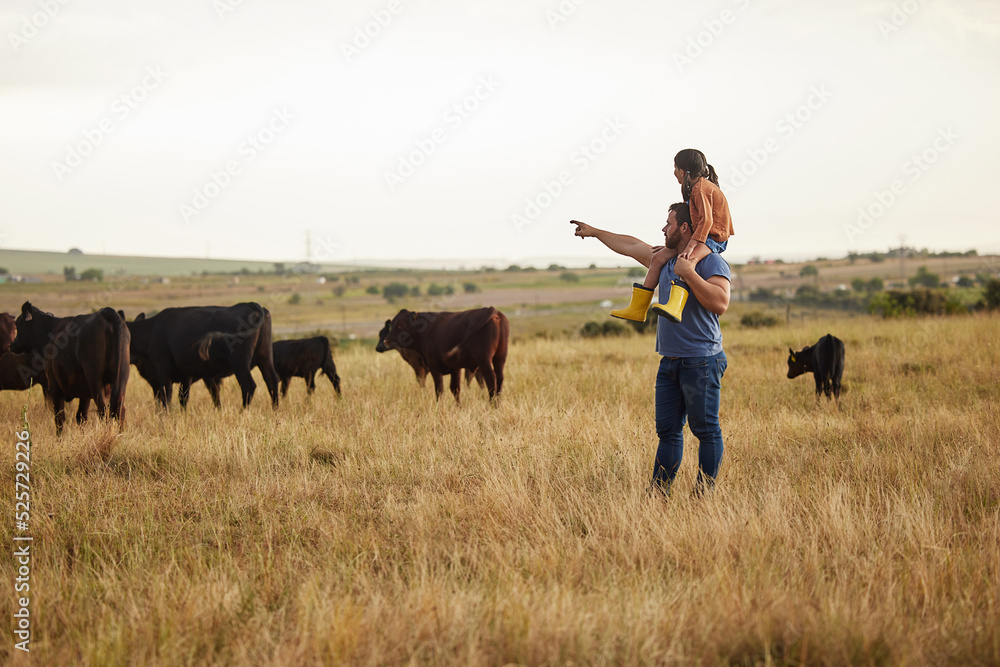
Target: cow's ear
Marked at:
140, 317
121, 314
26, 311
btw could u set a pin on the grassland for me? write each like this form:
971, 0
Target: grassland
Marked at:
385, 528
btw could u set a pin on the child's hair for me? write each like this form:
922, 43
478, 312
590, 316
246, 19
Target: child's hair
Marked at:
695, 166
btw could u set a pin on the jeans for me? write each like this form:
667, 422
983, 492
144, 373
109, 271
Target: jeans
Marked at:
715, 246
688, 389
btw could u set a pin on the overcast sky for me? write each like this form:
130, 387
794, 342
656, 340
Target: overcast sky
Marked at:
465, 131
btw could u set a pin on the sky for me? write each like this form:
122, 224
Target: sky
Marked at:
463, 133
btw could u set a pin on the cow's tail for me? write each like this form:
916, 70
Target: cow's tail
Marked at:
204, 344
119, 361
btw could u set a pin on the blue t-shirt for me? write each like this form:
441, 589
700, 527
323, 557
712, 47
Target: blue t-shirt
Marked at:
698, 334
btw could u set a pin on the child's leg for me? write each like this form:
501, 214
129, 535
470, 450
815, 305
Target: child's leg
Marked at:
656, 264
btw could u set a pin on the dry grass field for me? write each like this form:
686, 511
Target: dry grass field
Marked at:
383, 528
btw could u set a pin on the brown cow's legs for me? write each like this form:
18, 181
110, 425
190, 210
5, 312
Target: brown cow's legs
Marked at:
456, 385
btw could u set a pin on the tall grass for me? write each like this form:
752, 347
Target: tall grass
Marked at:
387, 528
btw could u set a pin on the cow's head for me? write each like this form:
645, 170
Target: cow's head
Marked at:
31, 326
381, 347
401, 332
799, 362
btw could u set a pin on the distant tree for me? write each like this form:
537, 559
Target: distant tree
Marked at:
875, 285
991, 295
93, 275
512, 268
925, 278
556, 267
965, 281
372, 289
636, 272
569, 277
393, 291
295, 299
859, 285
852, 257
279, 268
808, 270
592, 267
470, 288
415, 290
3, 271
435, 290
69, 273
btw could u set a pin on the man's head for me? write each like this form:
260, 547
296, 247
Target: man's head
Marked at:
678, 230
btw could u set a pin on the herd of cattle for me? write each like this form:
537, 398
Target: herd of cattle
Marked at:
88, 357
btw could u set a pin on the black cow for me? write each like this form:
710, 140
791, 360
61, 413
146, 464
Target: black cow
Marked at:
825, 360
447, 342
84, 357
302, 358
206, 343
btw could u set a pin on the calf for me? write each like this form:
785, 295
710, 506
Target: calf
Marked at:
302, 358
84, 357
447, 342
825, 360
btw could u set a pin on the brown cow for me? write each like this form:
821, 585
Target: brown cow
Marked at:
7, 332
447, 342
84, 357
413, 358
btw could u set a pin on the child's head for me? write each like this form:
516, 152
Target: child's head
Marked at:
690, 165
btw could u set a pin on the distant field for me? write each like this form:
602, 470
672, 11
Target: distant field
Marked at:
386, 528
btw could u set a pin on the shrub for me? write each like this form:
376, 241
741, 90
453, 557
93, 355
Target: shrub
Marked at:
636, 272
93, 275
393, 291
569, 277
925, 278
808, 270
762, 294
756, 319
991, 295
609, 328
372, 289
470, 288
295, 299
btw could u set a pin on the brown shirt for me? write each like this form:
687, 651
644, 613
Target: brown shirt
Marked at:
710, 212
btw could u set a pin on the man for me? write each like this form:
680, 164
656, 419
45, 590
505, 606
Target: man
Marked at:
689, 380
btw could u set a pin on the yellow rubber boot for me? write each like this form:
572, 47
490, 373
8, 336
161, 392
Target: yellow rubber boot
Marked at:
674, 307
636, 310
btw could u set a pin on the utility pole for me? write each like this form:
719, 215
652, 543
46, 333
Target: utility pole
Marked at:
902, 259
